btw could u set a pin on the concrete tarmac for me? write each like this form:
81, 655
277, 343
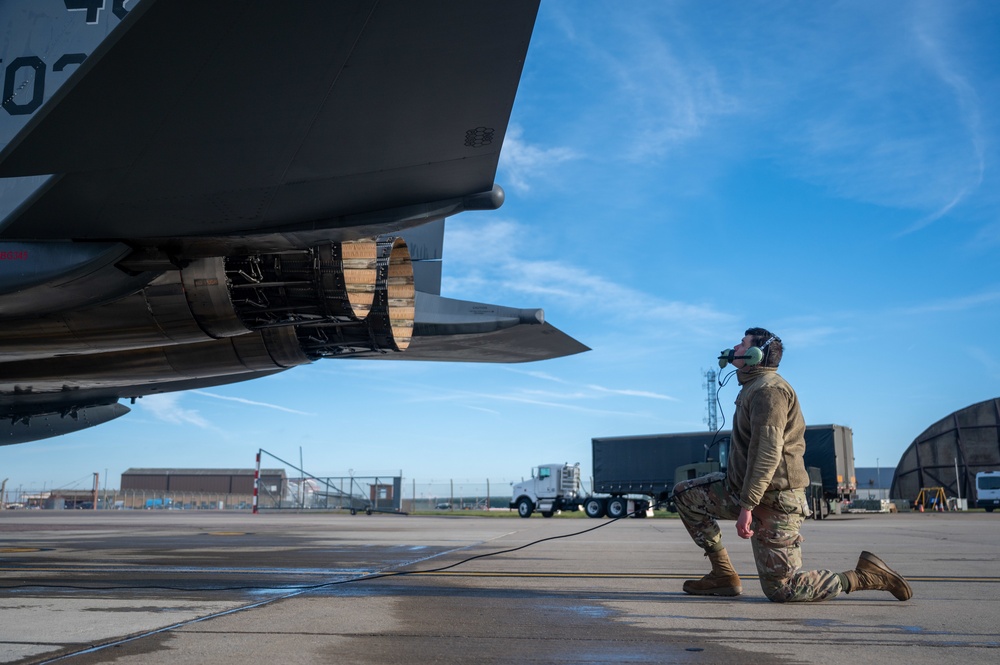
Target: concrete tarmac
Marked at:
178, 587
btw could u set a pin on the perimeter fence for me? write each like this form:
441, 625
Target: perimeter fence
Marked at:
348, 493
390, 494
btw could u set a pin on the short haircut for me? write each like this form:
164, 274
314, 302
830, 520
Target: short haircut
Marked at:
773, 350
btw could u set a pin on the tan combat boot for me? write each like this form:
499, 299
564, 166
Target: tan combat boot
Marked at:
872, 574
722, 581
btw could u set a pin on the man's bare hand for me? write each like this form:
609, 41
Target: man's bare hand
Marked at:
743, 529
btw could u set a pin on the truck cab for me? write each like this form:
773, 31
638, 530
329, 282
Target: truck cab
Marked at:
552, 488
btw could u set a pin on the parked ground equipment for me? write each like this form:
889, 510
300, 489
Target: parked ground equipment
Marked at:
988, 490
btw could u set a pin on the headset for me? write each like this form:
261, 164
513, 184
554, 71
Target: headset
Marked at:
755, 355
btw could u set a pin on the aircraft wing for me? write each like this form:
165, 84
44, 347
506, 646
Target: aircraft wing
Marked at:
242, 116
196, 193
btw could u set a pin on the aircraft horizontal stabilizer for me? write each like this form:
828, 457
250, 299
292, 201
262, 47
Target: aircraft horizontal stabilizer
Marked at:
452, 330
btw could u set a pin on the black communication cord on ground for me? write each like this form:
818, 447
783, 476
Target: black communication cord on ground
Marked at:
313, 587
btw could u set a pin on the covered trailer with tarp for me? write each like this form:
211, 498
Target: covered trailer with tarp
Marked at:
950, 453
830, 448
647, 465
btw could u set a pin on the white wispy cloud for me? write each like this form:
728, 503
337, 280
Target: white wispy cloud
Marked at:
670, 100
523, 163
491, 257
968, 110
988, 236
473, 244
167, 407
890, 117
492, 412
985, 358
587, 398
956, 304
631, 393
797, 337
593, 387
249, 402
663, 91
545, 376
873, 102
929, 219
577, 402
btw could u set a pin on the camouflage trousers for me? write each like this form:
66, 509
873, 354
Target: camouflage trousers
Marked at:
776, 540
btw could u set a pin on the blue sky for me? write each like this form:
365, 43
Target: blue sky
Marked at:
675, 173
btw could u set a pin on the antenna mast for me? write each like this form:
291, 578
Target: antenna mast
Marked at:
712, 400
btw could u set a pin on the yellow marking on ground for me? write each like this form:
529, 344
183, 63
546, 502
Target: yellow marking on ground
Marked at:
16, 550
226, 533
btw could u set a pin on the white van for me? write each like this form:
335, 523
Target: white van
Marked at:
988, 490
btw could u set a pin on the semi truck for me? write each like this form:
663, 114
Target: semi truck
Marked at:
552, 488
634, 473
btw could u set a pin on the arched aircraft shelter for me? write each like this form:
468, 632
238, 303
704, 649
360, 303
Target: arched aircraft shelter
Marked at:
968, 439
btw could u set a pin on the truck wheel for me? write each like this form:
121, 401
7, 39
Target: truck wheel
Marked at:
989, 509
524, 507
594, 508
617, 507
547, 513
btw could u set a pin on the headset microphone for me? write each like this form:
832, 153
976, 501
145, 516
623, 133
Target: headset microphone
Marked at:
753, 357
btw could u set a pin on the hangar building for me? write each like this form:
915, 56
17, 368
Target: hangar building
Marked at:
951, 452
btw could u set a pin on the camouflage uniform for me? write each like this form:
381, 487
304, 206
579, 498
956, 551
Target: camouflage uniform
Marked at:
776, 521
766, 476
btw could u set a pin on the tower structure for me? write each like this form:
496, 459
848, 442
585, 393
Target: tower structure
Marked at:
712, 400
